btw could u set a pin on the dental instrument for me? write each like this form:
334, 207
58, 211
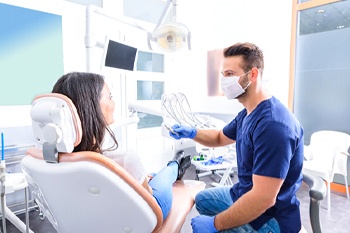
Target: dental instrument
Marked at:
170, 129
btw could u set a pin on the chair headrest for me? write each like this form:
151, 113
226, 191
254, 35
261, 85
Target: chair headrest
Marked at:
56, 124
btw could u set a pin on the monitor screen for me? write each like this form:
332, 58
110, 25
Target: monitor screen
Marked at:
120, 56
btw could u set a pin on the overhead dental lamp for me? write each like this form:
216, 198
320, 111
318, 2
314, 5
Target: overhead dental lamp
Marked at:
170, 36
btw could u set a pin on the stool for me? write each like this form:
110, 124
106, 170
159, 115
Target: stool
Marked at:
13, 183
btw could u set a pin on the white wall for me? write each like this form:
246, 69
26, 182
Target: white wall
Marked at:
15, 121
221, 23
73, 29
213, 24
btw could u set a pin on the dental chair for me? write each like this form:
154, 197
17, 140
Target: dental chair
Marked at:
87, 191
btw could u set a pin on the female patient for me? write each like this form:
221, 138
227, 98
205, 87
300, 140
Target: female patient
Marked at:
95, 107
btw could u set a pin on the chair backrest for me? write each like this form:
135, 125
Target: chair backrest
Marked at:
82, 191
56, 124
327, 144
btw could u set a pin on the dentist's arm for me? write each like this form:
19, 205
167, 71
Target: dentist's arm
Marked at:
248, 207
251, 205
182, 131
206, 137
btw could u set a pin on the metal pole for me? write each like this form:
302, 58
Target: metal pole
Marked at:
2, 180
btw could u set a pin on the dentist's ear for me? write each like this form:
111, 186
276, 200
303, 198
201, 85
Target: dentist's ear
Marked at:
255, 74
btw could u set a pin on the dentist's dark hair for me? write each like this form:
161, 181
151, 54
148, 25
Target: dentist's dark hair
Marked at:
84, 89
252, 55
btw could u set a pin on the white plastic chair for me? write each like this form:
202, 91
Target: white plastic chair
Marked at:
327, 155
13, 183
86, 191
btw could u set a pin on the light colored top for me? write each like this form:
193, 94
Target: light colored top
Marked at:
128, 159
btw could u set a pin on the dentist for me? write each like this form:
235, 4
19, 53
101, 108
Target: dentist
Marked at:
269, 144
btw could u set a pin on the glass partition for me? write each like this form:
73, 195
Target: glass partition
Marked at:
150, 62
322, 67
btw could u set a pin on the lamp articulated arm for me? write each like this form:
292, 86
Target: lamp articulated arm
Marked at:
170, 37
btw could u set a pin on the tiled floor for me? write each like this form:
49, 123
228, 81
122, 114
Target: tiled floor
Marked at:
335, 220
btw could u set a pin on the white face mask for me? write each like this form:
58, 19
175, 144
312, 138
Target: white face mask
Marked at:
230, 86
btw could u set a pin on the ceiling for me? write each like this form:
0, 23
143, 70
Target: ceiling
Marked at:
87, 2
328, 17
333, 16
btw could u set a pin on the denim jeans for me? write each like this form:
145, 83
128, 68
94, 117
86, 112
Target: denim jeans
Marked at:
162, 186
215, 200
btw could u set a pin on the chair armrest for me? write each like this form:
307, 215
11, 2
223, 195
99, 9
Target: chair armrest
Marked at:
345, 153
317, 187
308, 152
339, 162
317, 193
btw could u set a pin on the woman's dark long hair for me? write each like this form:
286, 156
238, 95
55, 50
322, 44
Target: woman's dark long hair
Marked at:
84, 89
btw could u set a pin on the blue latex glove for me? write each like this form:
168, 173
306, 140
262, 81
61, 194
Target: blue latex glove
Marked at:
182, 131
203, 224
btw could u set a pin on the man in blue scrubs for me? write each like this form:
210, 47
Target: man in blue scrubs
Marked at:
269, 144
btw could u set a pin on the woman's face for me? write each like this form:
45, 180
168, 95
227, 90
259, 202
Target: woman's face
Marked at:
107, 104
